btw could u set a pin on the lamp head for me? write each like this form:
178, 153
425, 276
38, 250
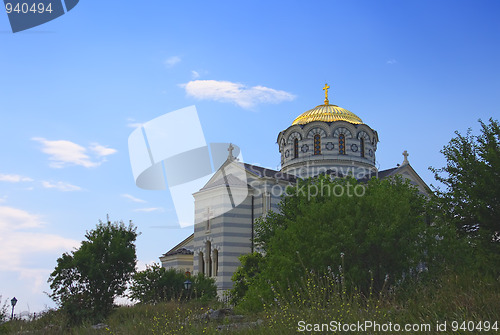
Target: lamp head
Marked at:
187, 284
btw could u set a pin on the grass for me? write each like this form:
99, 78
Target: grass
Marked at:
318, 300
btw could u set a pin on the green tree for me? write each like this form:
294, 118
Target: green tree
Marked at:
471, 198
245, 274
156, 284
370, 234
204, 287
86, 281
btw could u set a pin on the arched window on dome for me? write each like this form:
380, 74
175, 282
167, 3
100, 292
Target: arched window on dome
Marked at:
317, 144
362, 147
341, 144
296, 148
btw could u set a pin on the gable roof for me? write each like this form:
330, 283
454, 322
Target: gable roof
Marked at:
181, 251
181, 246
222, 179
260, 171
227, 180
384, 173
406, 169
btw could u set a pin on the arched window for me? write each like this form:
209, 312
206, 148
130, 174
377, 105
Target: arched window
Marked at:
296, 148
215, 265
201, 263
317, 144
362, 147
341, 144
208, 261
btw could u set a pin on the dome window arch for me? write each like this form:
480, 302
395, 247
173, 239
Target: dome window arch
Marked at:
317, 144
362, 146
341, 144
296, 148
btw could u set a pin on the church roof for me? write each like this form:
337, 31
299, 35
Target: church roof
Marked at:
269, 173
229, 179
384, 173
259, 171
327, 113
179, 248
181, 251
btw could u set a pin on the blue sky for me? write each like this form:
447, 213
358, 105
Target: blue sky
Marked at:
72, 91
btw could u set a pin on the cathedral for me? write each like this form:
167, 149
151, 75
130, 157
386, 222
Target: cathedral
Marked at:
327, 139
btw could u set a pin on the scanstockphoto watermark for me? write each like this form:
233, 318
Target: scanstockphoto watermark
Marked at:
308, 169
370, 326
321, 188
362, 326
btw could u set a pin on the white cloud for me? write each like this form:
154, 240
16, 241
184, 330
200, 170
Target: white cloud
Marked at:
171, 61
134, 199
61, 186
148, 210
17, 245
64, 153
195, 74
3, 199
101, 151
13, 178
391, 61
226, 91
18, 219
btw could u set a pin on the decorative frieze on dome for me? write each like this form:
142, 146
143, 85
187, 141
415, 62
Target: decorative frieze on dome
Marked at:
339, 139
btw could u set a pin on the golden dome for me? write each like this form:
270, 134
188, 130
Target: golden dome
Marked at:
327, 113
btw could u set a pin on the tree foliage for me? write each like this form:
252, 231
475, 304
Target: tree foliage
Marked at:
86, 281
471, 198
245, 274
377, 233
156, 284
3, 310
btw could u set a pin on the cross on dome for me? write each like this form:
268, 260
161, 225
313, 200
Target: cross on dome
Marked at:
326, 93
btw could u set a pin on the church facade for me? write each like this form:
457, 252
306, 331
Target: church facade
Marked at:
327, 139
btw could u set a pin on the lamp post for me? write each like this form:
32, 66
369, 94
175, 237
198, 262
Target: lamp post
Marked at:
13, 302
187, 285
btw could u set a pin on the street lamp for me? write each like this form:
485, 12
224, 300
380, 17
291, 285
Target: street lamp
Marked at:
187, 285
13, 302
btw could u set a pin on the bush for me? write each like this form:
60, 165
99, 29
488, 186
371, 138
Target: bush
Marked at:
157, 284
4, 314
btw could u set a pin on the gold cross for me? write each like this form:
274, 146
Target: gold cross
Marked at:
326, 93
